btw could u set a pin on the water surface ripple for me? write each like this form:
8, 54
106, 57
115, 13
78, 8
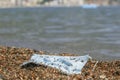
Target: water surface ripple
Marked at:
74, 30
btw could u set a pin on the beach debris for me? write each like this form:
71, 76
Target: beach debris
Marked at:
66, 64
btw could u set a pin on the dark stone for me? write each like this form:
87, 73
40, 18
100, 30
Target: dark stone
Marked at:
117, 73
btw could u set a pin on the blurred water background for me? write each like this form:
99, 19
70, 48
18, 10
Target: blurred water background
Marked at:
59, 29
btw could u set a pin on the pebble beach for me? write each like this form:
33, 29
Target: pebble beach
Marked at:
12, 57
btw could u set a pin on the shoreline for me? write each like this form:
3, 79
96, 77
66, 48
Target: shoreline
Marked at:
96, 56
44, 6
11, 58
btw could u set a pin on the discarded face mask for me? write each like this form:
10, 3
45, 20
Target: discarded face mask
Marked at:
66, 64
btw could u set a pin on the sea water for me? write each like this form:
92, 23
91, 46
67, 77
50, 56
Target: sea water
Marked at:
59, 29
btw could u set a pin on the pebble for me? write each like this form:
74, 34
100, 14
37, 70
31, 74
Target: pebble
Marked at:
1, 77
103, 76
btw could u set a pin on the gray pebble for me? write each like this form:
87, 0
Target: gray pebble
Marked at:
1, 77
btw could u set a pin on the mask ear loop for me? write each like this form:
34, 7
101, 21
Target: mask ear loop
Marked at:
95, 66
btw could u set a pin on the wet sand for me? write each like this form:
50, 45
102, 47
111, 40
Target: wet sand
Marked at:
11, 58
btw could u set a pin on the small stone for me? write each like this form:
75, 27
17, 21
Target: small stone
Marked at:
103, 76
116, 73
106, 79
